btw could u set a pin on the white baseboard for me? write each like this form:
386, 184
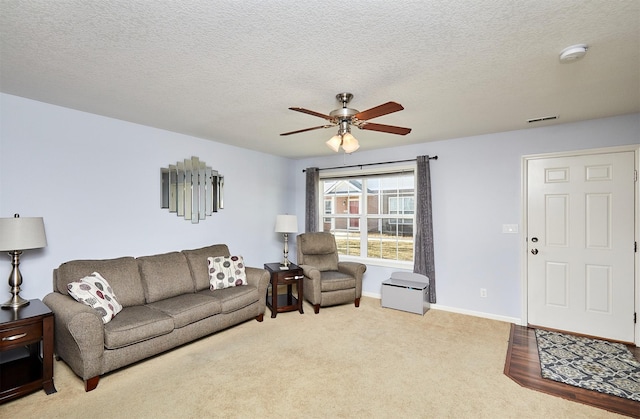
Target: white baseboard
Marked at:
462, 311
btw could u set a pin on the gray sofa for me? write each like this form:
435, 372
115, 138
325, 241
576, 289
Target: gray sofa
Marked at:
166, 303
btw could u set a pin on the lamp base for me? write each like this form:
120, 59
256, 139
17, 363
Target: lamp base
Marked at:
286, 262
15, 280
15, 302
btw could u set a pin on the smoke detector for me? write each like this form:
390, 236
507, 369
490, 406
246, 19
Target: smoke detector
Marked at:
573, 53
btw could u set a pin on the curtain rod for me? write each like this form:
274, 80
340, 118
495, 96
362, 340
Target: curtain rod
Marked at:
370, 164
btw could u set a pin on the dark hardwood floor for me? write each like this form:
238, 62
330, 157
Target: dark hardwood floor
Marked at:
523, 367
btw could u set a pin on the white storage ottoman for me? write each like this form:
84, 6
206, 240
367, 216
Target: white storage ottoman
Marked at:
406, 291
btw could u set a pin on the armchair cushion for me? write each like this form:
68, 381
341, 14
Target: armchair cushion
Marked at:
319, 250
334, 280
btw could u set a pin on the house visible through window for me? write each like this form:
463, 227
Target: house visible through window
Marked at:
401, 205
371, 216
328, 209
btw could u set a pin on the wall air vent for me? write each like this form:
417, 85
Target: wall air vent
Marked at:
544, 118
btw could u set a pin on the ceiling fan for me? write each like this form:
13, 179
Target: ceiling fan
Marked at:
345, 117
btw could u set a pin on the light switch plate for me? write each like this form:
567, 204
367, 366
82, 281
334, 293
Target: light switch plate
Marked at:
509, 228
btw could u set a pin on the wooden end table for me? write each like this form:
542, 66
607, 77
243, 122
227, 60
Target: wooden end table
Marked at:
26, 350
284, 302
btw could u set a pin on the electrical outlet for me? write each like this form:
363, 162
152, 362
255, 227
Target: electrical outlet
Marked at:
483, 292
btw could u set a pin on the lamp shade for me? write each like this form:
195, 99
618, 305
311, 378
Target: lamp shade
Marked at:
334, 143
349, 143
286, 224
19, 233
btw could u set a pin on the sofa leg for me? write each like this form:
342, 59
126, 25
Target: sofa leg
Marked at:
357, 302
260, 317
316, 308
91, 383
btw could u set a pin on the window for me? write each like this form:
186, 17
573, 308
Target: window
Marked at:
371, 215
328, 209
401, 205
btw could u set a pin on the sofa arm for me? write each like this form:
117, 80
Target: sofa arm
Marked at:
259, 278
79, 334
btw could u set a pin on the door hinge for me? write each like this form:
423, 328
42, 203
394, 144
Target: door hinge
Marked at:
635, 247
635, 318
635, 175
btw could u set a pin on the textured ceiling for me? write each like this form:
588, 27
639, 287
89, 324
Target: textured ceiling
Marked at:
228, 70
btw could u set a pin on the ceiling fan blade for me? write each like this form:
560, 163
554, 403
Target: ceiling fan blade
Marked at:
379, 110
385, 128
314, 113
306, 129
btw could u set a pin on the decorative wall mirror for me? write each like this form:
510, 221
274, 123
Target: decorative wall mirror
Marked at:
191, 189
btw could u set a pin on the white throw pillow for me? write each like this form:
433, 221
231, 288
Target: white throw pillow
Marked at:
226, 271
95, 291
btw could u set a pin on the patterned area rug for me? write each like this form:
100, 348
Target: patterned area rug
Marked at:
589, 363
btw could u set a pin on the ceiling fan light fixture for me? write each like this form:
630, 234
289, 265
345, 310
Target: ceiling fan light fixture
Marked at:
349, 143
334, 143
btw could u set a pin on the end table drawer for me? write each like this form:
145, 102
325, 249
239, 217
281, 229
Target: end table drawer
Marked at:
21, 335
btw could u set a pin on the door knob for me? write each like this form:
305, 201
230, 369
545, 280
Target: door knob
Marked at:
534, 239
534, 251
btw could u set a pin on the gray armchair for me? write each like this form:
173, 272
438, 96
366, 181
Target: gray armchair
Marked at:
327, 281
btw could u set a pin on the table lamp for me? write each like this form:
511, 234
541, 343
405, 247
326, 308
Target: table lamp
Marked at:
286, 224
18, 234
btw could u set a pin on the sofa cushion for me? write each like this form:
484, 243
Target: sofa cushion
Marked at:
188, 308
234, 298
122, 273
166, 275
136, 324
197, 259
95, 291
226, 271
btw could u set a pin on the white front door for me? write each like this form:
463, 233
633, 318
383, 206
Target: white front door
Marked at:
580, 227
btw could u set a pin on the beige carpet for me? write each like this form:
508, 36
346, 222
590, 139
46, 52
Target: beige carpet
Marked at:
345, 362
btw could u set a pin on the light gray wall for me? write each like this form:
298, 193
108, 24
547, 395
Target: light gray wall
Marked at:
476, 188
96, 182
